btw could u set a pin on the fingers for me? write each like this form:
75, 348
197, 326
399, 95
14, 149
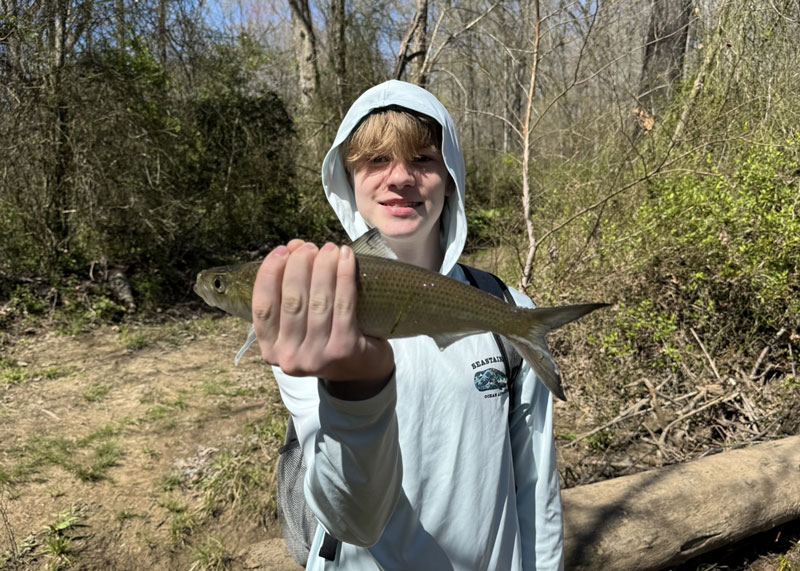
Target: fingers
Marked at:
294, 244
321, 298
294, 297
344, 319
304, 314
267, 297
293, 300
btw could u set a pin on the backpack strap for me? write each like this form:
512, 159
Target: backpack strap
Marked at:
490, 283
329, 543
328, 548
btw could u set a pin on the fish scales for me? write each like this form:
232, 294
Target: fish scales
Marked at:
402, 300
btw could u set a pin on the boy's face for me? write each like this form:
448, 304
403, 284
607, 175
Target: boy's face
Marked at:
404, 198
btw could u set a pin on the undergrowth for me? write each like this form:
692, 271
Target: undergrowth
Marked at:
699, 351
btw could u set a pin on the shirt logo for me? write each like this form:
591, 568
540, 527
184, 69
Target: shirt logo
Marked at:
491, 380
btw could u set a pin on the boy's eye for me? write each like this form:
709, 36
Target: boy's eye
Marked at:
377, 160
421, 159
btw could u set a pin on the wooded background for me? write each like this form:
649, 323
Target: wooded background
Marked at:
640, 152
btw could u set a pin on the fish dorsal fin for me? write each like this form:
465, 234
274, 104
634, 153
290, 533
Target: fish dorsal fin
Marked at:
372, 244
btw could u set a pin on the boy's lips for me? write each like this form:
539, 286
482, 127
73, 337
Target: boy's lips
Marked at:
402, 203
401, 208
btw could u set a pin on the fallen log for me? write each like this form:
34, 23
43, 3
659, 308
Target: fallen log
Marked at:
663, 517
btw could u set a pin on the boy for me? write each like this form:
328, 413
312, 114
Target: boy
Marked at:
408, 464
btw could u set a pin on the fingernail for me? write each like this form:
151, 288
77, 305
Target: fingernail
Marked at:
345, 252
279, 252
328, 247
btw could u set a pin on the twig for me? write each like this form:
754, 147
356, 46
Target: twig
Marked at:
9, 531
671, 425
656, 407
631, 412
432, 57
710, 360
659, 446
50, 414
778, 336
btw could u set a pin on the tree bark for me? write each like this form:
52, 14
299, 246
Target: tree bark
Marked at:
161, 40
59, 156
664, 52
525, 280
663, 517
119, 22
417, 38
419, 46
9, 36
305, 45
339, 54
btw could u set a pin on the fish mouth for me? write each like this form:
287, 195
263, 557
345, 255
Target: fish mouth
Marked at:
198, 285
201, 289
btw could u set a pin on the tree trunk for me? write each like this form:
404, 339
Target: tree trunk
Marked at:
305, 46
663, 517
59, 154
417, 35
9, 35
162, 32
339, 54
664, 52
527, 270
419, 46
119, 22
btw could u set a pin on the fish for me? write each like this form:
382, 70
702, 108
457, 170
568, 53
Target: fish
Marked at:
398, 300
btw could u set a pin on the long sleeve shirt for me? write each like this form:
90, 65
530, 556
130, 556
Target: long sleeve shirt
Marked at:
433, 472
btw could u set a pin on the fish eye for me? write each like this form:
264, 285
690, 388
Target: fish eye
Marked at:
219, 285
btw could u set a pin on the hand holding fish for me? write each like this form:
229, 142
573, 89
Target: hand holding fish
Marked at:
304, 315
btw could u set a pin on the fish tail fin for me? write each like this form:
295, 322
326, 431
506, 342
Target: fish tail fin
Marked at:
532, 345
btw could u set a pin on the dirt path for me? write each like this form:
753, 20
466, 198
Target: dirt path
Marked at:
143, 447
139, 447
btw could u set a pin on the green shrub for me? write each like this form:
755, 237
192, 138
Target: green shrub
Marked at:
714, 249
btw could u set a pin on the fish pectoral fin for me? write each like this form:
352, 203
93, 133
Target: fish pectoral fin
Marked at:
372, 244
251, 337
444, 340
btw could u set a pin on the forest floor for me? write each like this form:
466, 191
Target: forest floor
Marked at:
143, 447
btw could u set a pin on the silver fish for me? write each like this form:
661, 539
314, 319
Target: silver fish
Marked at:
402, 300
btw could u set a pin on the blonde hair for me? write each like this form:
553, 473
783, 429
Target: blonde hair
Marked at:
393, 133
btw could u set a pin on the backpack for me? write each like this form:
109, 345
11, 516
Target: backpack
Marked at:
298, 522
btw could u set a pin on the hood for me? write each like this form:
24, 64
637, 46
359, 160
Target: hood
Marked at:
340, 193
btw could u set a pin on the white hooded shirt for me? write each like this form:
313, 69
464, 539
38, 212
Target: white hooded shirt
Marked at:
433, 473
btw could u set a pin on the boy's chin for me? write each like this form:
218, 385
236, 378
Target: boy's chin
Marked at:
399, 231
405, 238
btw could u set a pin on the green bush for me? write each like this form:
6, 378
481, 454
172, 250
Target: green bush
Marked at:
492, 200
160, 177
716, 249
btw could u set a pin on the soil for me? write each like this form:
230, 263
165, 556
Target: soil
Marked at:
173, 401
143, 447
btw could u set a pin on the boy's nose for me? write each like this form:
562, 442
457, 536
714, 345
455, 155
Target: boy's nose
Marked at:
400, 173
